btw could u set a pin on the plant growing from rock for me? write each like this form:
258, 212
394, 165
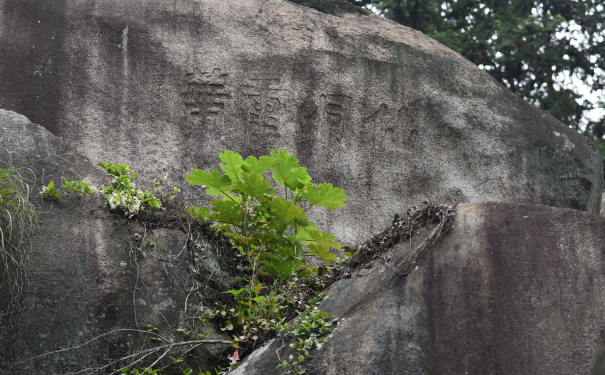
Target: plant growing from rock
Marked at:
267, 223
49, 191
123, 194
81, 187
307, 332
271, 230
17, 216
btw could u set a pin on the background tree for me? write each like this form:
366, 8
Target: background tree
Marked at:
533, 47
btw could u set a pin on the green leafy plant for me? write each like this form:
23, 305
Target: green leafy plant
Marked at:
49, 191
267, 223
265, 220
123, 193
81, 187
308, 331
187, 371
144, 370
272, 230
250, 330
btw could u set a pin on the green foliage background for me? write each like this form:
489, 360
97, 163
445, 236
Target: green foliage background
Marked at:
530, 46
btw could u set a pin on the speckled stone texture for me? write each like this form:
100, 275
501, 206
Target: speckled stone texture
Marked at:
380, 110
511, 289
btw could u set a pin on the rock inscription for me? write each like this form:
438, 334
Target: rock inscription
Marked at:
205, 92
390, 129
265, 104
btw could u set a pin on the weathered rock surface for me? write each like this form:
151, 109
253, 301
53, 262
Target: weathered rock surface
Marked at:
511, 289
83, 279
376, 108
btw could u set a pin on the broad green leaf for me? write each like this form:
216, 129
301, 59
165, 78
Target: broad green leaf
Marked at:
226, 212
286, 211
301, 236
233, 164
253, 185
266, 238
260, 166
286, 171
216, 184
297, 179
199, 213
235, 292
258, 299
237, 238
324, 195
322, 251
323, 237
283, 155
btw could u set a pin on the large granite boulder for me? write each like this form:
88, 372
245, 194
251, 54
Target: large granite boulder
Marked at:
86, 274
383, 111
511, 289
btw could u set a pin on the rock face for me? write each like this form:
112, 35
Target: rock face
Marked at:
382, 111
511, 289
86, 274
386, 113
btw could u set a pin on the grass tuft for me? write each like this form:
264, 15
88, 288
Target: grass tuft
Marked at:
17, 218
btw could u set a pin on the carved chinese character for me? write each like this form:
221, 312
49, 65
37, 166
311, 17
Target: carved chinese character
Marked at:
333, 116
265, 103
375, 127
205, 93
407, 128
388, 130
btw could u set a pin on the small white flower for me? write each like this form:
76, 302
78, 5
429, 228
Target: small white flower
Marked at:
113, 200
